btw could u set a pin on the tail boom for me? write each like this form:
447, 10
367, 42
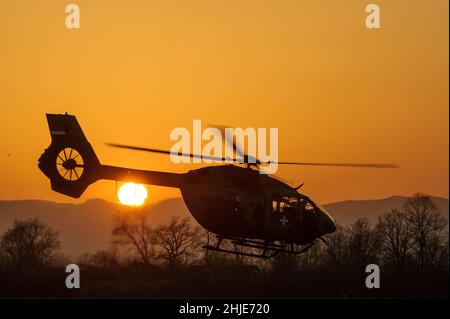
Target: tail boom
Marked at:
141, 176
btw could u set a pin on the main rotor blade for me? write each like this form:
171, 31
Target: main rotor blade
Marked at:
214, 158
155, 150
366, 165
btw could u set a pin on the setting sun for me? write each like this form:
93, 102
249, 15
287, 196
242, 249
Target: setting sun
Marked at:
132, 194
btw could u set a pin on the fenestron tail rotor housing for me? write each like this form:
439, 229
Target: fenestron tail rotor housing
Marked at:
70, 164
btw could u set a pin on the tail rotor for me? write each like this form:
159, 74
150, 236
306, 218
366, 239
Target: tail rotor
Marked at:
70, 161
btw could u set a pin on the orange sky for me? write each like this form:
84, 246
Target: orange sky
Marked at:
136, 69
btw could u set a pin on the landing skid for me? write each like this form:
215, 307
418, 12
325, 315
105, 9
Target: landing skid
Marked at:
268, 249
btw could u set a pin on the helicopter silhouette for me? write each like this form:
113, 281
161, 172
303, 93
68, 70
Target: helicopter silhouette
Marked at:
239, 205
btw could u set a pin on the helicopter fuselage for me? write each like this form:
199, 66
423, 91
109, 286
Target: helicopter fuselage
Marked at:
236, 201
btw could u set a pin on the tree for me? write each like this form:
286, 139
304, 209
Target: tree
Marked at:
428, 226
103, 259
131, 230
312, 259
363, 244
284, 264
396, 238
335, 251
29, 244
177, 240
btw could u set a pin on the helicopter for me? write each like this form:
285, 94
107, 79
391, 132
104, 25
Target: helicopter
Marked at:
237, 204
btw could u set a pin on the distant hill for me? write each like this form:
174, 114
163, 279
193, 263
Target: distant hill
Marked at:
83, 227
86, 227
346, 212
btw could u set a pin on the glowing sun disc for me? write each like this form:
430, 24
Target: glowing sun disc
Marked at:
132, 194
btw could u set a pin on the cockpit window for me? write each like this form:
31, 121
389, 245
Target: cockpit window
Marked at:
282, 204
307, 206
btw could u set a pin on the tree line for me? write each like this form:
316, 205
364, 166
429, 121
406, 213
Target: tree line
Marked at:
409, 245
